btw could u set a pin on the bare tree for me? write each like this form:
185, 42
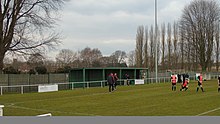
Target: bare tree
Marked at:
50, 65
175, 41
119, 56
26, 26
36, 60
88, 56
181, 44
85, 57
146, 45
7, 60
169, 43
157, 44
199, 19
139, 46
152, 48
106, 61
217, 49
131, 58
66, 57
163, 35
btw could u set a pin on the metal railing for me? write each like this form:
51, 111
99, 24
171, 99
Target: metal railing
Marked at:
21, 89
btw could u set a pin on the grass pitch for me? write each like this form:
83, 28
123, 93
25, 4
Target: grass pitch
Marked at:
140, 100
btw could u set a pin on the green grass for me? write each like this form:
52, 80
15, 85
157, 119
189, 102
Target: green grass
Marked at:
141, 100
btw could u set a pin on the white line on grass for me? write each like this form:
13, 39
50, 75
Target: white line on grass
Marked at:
44, 110
204, 113
84, 95
13, 105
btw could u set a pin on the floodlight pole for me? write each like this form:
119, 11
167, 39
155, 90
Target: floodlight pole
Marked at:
156, 40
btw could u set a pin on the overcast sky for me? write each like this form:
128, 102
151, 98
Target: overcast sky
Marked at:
111, 25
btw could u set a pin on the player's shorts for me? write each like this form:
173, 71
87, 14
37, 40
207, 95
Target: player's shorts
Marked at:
173, 83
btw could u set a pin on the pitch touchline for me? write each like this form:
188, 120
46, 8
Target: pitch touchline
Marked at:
13, 105
208, 111
44, 110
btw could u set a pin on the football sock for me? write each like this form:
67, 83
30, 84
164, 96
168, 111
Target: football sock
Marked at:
202, 89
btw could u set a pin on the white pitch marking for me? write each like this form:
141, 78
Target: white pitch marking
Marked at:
208, 111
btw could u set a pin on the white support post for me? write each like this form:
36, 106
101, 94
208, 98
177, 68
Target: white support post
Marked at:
101, 85
87, 84
1, 91
72, 86
1, 110
22, 89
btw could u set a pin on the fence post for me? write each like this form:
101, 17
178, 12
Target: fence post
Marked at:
28, 79
22, 89
101, 85
8, 81
72, 86
1, 110
87, 84
1, 90
48, 78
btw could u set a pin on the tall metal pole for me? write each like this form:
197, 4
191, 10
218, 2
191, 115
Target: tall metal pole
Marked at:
156, 40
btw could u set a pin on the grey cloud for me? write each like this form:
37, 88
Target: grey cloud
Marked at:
94, 7
94, 22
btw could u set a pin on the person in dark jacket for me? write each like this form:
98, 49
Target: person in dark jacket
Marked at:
127, 77
179, 78
115, 80
110, 81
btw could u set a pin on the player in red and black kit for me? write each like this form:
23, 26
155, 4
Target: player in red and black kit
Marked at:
173, 81
185, 85
199, 84
219, 83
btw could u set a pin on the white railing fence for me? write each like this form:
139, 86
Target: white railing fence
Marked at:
20, 89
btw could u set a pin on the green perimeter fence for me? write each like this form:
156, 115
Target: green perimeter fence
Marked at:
28, 79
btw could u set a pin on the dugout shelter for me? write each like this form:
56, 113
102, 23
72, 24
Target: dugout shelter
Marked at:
100, 74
